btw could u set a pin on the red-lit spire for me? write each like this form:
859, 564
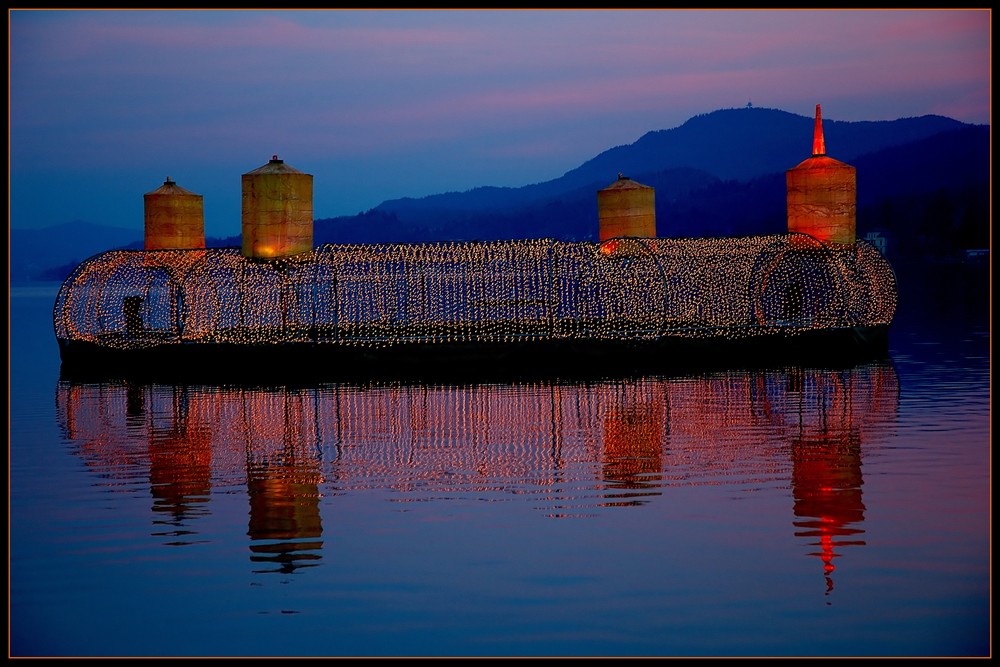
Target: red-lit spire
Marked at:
819, 147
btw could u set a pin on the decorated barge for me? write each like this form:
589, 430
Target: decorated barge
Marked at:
630, 301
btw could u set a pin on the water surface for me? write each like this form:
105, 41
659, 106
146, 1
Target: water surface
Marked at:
785, 511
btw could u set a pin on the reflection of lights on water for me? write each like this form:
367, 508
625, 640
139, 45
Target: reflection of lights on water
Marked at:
376, 295
567, 448
578, 442
827, 459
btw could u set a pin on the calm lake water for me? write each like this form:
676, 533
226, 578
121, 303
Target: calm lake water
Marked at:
775, 512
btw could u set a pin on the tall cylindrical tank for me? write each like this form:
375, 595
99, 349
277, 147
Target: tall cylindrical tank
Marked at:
174, 218
822, 194
277, 211
626, 208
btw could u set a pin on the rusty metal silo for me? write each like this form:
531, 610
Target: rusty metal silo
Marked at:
277, 211
626, 208
174, 218
822, 194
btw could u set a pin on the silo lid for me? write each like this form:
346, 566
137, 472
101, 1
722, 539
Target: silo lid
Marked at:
820, 162
171, 188
275, 166
626, 183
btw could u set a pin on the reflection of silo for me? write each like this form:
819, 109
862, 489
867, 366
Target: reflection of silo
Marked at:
626, 208
822, 194
285, 523
180, 472
174, 217
277, 211
633, 441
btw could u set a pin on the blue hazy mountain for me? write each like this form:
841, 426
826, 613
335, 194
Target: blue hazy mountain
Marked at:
50, 253
924, 180
718, 174
730, 144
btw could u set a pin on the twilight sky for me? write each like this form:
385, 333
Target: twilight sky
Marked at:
380, 104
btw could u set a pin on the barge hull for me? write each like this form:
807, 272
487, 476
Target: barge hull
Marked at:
297, 361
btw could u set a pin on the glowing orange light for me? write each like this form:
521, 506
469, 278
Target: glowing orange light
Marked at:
819, 146
822, 194
174, 218
626, 208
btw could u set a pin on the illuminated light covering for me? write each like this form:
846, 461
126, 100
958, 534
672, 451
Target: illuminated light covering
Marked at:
174, 218
626, 208
822, 194
382, 295
277, 211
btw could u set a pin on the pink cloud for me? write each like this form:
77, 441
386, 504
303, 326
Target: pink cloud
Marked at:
371, 81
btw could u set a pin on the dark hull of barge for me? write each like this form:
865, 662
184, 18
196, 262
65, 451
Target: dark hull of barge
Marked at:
479, 361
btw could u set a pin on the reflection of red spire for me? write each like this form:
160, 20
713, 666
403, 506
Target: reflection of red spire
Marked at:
819, 146
826, 484
826, 456
827, 556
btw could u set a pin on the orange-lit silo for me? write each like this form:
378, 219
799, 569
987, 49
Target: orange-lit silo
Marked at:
626, 208
277, 211
175, 218
822, 194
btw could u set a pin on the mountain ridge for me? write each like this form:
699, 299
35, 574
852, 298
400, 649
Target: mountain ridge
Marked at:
767, 141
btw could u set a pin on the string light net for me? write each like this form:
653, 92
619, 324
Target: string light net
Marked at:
381, 295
